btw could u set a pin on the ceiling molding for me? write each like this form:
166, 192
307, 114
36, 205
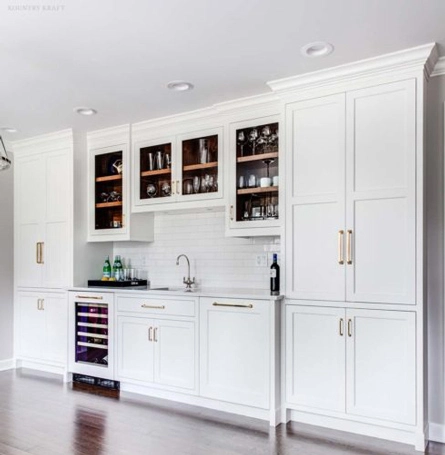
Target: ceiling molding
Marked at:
439, 69
409, 61
109, 136
44, 143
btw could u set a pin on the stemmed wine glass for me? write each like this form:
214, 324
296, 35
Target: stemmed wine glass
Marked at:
196, 184
268, 162
242, 142
253, 136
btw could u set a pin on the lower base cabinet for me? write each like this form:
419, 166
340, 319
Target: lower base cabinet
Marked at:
156, 351
354, 361
42, 326
235, 351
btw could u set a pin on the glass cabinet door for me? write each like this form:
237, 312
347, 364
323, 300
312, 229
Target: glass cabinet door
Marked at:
257, 166
156, 173
200, 167
108, 191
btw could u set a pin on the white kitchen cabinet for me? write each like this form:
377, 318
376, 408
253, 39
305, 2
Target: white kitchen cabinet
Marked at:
315, 217
170, 172
157, 351
352, 234
381, 365
42, 329
42, 213
135, 349
109, 216
235, 342
315, 357
351, 361
254, 210
381, 193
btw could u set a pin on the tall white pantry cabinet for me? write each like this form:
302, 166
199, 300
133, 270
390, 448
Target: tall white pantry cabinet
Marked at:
50, 247
354, 243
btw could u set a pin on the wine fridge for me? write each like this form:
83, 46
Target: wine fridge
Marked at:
91, 334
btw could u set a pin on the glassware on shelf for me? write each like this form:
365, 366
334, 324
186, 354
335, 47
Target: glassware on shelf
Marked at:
196, 184
203, 151
151, 161
242, 140
159, 160
152, 190
253, 136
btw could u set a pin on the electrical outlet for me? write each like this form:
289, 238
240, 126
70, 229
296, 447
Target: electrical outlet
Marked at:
261, 260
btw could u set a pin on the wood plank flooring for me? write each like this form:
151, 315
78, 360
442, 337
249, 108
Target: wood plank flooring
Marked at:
39, 415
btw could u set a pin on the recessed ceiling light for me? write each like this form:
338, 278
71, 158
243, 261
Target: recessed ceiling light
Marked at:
180, 86
85, 110
317, 49
8, 129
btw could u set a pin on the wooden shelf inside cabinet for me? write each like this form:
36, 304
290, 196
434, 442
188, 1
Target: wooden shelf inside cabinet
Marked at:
109, 178
197, 167
158, 172
260, 157
256, 190
106, 205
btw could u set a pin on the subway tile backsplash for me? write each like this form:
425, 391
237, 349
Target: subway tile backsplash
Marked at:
216, 260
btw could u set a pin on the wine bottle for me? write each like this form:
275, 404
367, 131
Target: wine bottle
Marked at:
275, 277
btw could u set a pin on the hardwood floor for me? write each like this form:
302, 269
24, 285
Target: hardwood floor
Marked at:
39, 415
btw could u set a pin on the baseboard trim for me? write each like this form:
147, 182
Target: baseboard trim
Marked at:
436, 432
365, 429
8, 364
41, 366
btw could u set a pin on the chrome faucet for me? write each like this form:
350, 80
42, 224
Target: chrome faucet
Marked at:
188, 282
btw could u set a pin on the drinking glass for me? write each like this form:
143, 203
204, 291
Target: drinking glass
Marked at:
196, 184
241, 142
253, 136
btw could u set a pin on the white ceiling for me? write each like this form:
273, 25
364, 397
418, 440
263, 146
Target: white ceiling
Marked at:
117, 56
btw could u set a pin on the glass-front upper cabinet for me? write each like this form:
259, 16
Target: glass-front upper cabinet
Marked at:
181, 171
254, 178
109, 216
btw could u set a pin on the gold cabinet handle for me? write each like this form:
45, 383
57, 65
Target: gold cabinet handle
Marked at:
231, 212
38, 252
89, 297
38, 304
42, 307
341, 327
173, 187
177, 187
155, 338
150, 337
341, 259
157, 307
233, 305
42, 250
349, 327
349, 247
123, 220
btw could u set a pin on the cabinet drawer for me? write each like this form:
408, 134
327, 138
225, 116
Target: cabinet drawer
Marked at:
156, 305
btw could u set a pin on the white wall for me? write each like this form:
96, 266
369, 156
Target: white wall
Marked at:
6, 264
435, 252
216, 260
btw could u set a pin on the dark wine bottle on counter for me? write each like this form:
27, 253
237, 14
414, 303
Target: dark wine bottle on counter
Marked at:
275, 277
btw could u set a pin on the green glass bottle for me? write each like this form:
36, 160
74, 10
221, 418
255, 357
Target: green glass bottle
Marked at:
106, 275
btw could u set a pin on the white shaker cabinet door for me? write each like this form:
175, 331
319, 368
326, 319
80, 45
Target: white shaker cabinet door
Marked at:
315, 199
135, 349
381, 208
235, 351
381, 365
55, 307
315, 357
30, 211
175, 351
31, 336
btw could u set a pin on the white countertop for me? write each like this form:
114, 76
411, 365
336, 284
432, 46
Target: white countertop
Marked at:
260, 294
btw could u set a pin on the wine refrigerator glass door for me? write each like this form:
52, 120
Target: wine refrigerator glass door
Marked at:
92, 334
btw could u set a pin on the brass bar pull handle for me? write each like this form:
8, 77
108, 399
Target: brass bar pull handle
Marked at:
42, 260
89, 297
155, 335
341, 247
231, 212
349, 247
341, 327
157, 307
38, 304
38, 252
173, 187
349, 327
234, 305
178, 187
42, 307
150, 331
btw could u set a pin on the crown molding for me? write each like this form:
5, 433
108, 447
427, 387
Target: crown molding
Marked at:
44, 143
109, 136
439, 69
262, 101
408, 61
